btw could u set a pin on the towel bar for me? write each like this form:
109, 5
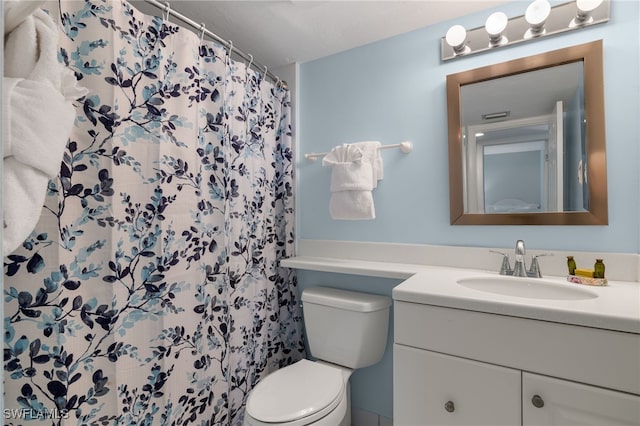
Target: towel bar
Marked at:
406, 147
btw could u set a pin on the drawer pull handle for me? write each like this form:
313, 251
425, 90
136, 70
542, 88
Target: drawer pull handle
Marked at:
449, 406
537, 401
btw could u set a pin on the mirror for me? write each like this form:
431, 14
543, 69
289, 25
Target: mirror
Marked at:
527, 141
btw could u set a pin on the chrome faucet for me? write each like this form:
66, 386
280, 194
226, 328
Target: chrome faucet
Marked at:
519, 268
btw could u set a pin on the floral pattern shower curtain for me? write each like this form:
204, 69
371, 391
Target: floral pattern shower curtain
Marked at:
150, 292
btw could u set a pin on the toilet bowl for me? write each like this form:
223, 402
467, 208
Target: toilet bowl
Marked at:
345, 330
304, 393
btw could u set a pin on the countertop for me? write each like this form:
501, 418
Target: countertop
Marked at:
616, 307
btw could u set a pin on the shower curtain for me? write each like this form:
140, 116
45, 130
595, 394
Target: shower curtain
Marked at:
150, 291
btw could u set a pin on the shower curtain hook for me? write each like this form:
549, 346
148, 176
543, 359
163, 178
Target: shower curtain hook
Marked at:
230, 50
278, 83
167, 11
202, 29
264, 76
250, 61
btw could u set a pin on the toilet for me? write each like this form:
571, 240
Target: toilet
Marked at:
346, 330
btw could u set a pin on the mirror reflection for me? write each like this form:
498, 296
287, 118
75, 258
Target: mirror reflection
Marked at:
524, 143
526, 140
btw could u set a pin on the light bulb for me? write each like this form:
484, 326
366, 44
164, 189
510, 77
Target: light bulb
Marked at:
456, 38
496, 23
588, 5
585, 7
536, 15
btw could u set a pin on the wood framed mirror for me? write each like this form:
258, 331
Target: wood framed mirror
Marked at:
527, 141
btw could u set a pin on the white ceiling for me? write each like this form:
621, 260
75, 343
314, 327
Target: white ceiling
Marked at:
280, 32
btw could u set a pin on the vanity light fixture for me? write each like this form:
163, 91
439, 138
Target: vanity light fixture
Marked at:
540, 19
495, 25
536, 15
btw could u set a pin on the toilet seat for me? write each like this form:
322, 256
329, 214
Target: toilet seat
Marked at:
298, 394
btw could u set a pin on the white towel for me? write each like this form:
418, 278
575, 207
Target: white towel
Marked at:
351, 176
16, 11
38, 116
21, 216
371, 154
38, 122
352, 205
354, 174
342, 154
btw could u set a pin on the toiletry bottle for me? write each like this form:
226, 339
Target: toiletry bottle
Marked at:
598, 269
572, 265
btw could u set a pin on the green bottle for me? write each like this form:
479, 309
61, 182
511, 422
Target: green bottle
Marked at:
572, 265
598, 269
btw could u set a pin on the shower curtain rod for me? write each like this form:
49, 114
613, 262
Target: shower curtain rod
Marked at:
166, 7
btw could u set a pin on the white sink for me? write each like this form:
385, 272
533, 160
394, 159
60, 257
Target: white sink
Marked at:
530, 288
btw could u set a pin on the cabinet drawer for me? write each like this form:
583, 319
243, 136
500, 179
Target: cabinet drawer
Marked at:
549, 401
601, 357
436, 389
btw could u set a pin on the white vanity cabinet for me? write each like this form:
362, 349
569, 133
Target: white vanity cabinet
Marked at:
461, 367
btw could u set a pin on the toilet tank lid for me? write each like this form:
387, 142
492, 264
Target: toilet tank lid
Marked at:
344, 299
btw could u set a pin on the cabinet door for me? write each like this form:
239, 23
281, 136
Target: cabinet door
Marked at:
550, 401
436, 389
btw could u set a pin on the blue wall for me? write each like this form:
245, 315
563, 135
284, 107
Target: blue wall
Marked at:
394, 90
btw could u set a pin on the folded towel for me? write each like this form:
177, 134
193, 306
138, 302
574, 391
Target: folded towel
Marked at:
371, 154
346, 153
38, 116
352, 176
31, 50
37, 122
352, 205
22, 202
16, 11
355, 171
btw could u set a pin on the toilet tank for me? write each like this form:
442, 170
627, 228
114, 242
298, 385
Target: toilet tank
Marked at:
345, 327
